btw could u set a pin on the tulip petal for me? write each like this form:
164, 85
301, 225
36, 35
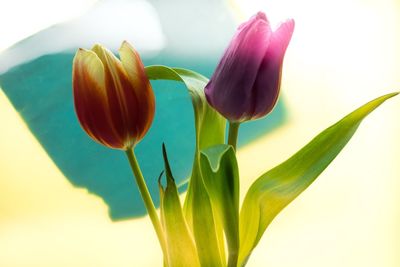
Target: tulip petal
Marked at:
266, 86
282, 35
230, 87
123, 102
133, 65
106, 56
88, 61
90, 98
134, 68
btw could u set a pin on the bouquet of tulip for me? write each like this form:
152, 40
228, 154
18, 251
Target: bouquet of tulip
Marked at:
115, 105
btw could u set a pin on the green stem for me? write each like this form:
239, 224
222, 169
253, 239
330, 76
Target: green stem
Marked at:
232, 140
233, 133
232, 259
148, 202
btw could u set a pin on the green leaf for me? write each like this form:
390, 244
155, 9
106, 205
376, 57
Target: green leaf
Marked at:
210, 130
181, 249
207, 230
275, 189
221, 178
209, 124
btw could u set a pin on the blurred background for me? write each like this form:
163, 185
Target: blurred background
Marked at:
343, 54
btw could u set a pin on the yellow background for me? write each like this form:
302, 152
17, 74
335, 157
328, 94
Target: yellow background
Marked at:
343, 54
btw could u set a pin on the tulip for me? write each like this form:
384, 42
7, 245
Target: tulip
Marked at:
245, 84
115, 105
113, 98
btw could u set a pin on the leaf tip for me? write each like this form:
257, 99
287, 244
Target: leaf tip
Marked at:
159, 177
390, 95
164, 150
168, 171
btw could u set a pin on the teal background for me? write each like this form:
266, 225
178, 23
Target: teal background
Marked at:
41, 92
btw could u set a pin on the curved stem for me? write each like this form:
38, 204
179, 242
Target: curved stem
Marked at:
148, 202
233, 133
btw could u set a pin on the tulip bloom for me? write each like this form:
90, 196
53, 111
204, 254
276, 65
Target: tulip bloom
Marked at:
246, 83
113, 98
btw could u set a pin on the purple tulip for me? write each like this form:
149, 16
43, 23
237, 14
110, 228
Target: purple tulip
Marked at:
246, 83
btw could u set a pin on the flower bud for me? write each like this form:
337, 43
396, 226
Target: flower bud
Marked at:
113, 98
245, 84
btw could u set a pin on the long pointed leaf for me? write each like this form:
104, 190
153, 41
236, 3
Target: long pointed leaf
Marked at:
210, 130
181, 248
275, 189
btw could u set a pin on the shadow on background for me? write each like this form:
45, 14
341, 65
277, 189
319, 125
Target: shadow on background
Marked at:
41, 92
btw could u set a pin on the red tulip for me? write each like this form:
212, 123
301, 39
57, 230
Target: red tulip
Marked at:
246, 83
113, 98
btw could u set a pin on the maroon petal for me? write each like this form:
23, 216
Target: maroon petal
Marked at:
134, 69
113, 99
90, 98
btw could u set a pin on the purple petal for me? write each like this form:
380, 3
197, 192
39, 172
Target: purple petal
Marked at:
266, 87
230, 88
